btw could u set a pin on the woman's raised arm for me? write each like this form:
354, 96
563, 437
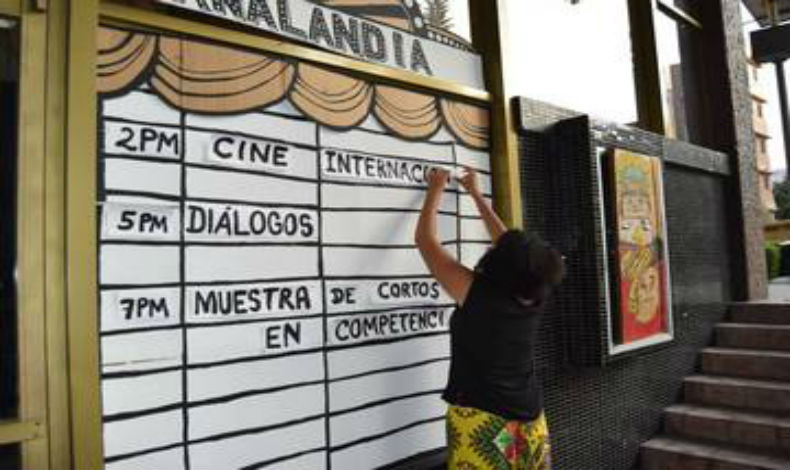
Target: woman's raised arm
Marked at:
454, 277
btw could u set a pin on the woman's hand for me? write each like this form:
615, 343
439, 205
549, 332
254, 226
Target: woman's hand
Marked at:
438, 179
454, 277
469, 181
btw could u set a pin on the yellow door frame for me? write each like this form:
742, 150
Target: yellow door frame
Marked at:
31, 307
81, 154
41, 429
10, 7
81, 255
55, 279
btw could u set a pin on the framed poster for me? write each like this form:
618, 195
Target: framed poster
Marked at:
262, 303
635, 223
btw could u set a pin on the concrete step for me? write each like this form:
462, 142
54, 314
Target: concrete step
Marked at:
766, 395
736, 427
664, 453
753, 335
776, 313
755, 363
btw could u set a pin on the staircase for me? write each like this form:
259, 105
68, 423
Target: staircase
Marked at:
736, 411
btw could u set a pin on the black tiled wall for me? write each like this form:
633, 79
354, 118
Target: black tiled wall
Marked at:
601, 411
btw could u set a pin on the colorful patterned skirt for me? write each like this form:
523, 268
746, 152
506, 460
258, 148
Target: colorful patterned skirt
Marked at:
477, 440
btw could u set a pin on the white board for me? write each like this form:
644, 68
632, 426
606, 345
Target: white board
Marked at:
271, 312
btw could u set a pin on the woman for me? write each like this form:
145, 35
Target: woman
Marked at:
495, 419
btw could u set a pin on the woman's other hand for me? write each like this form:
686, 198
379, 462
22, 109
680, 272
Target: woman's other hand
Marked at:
469, 181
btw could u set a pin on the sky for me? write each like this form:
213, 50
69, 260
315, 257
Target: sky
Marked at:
558, 55
570, 61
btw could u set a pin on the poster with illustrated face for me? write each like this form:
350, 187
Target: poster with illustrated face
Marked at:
641, 256
262, 303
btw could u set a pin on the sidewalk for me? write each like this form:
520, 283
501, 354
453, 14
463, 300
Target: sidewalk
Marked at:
779, 289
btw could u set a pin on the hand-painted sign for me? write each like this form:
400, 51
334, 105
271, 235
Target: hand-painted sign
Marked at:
262, 302
334, 30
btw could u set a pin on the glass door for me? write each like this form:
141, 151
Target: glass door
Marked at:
9, 374
26, 345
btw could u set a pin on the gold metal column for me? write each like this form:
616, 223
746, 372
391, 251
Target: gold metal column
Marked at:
31, 307
81, 267
489, 38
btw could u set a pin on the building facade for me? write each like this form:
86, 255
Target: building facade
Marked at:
761, 137
207, 256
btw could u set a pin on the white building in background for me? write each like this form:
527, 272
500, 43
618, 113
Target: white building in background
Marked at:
765, 114
761, 137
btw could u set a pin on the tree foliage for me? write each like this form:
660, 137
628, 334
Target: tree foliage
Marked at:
438, 14
782, 198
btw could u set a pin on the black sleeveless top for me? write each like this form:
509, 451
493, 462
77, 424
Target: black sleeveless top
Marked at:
492, 338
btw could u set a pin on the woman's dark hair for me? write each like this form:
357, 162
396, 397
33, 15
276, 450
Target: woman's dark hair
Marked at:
523, 265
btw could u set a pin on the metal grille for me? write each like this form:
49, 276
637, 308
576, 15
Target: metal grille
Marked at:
600, 414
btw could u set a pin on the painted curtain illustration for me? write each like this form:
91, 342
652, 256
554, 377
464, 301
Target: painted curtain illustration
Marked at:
641, 259
262, 304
